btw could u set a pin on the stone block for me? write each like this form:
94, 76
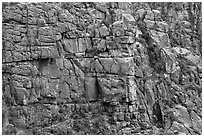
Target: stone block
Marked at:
48, 67
71, 45
91, 89
64, 91
115, 67
84, 43
98, 67
112, 88
47, 52
127, 65
76, 83
84, 64
106, 63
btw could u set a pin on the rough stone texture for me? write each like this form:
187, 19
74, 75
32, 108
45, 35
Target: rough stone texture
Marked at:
98, 68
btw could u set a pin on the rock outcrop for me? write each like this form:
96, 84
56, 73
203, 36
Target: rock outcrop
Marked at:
98, 68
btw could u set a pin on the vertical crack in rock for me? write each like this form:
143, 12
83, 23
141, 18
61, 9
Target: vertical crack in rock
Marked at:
157, 115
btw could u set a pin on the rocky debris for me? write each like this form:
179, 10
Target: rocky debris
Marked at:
99, 68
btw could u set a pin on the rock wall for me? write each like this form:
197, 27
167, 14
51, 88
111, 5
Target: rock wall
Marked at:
96, 68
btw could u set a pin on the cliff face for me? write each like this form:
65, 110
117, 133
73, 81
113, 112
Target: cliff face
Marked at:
100, 68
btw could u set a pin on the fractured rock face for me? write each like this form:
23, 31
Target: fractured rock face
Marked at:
99, 68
